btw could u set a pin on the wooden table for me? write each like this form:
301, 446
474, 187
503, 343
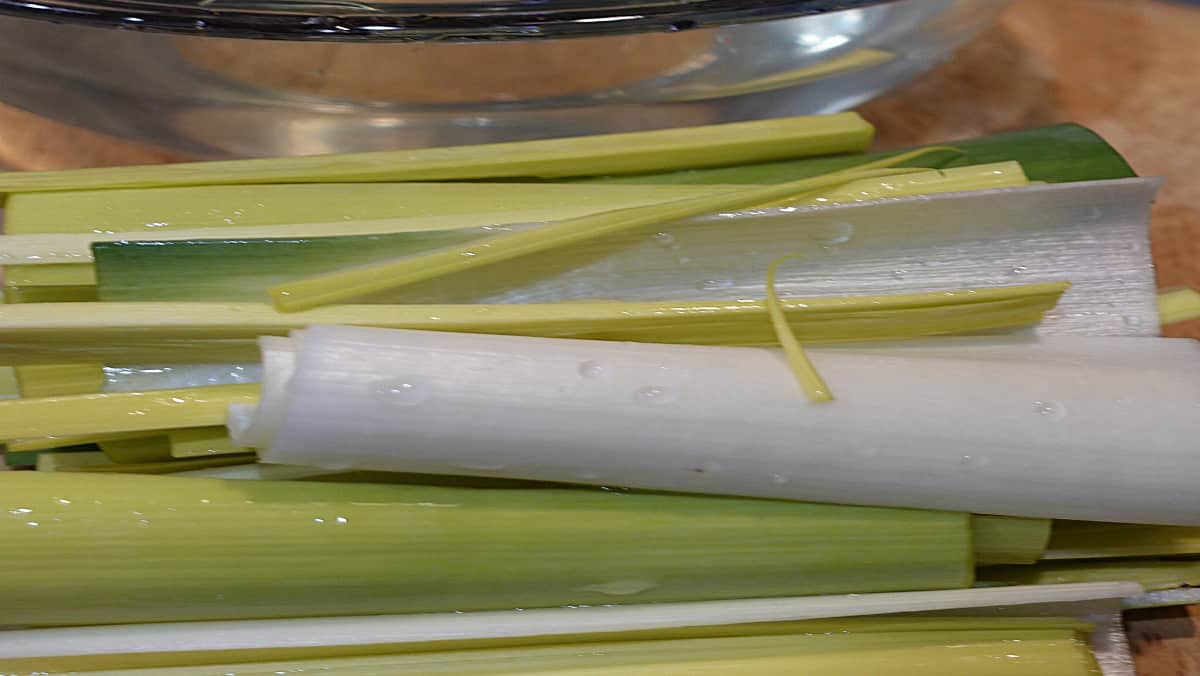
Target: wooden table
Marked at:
1129, 69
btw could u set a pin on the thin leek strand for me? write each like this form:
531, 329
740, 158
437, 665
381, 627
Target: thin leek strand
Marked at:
323, 289
806, 374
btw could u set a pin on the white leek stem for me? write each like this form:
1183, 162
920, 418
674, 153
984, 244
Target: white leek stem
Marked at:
1008, 429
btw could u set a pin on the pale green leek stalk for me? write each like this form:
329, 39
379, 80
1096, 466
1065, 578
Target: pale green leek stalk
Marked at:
638, 152
239, 549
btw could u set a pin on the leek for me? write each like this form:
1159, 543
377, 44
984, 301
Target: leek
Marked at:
59, 379
225, 332
1089, 540
1057, 154
97, 462
319, 290
1180, 305
54, 246
136, 450
1005, 539
201, 442
52, 443
665, 150
121, 412
904, 245
128, 646
730, 420
8, 383
303, 549
1151, 574
1019, 651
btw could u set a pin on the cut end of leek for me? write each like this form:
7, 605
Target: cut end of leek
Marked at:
1180, 305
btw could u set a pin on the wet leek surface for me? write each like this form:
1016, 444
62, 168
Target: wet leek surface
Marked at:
116, 548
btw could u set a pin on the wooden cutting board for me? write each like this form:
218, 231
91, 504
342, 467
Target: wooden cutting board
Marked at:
1127, 68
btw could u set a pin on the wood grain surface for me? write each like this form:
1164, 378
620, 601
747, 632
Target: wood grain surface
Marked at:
1129, 69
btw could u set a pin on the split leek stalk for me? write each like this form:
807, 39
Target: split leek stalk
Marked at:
638, 152
999, 429
1031, 650
241, 549
50, 233
887, 246
310, 292
225, 332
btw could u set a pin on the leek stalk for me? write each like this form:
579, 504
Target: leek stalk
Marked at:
50, 239
1152, 574
1005, 539
1090, 540
165, 644
730, 420
638, 152
225, 332
952, 652
245, 549
1057, 154
201, 442
1180, 305
136, 450
121, 412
